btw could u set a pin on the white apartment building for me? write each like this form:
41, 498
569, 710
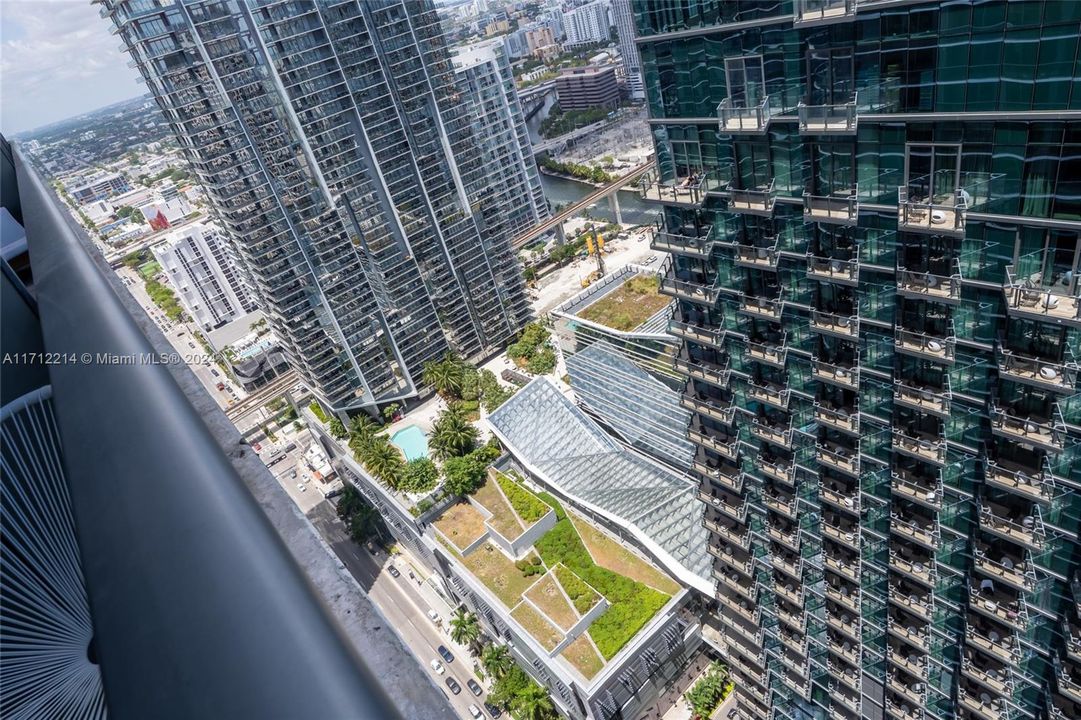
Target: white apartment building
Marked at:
623, 19
203, 275
587, 24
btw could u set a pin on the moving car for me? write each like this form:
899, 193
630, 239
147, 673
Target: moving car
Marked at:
445, 654
393, 571
437, 666
473, 686
453, 685
434, 616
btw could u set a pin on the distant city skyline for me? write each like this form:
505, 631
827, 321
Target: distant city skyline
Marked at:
58, 60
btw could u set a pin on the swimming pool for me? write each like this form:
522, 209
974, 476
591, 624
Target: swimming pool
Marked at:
412, 441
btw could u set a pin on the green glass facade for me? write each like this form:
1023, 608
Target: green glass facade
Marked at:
873, 211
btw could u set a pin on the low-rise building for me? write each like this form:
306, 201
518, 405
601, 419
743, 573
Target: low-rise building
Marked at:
162, 213
586, 87
98, 211
97, 187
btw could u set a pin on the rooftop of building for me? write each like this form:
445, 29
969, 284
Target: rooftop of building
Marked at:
586, 70
627, 300
566, 450
575, 590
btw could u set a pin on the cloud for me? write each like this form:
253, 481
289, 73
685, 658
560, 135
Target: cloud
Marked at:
58, 58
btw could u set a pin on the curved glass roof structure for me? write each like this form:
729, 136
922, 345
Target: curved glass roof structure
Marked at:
564, 448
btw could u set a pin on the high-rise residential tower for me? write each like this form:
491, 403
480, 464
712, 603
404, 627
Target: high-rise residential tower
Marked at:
873, 213
623, 19
508, 172
332, 146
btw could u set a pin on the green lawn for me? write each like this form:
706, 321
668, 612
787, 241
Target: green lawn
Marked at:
547, 596
503, 518
609, 554
636, 301
583, 656
542, 631
498, 574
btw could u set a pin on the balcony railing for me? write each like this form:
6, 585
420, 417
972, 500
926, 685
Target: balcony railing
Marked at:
917, 603
775, 469
771, 394
846, 460
713, 409
727, 446
1036, 486
920, 570
933, 400
773, 354
1026, 296
687, 190
776, 434
1055, 375
702, 292
756, 201
924, 447
923, 345
1049, 433
1014, 572
1000, 679
710, 372
766, 308
986, 707
847, 421
925, 285
838, 119
757, 256
905, 485
729, 478
845, 377
713, 337
837, 208
753, 119
932, 214
676, 243
1028, 530
843, 326
845, 272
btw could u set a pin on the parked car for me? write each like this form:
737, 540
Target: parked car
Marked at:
214, 372
453, 685
301, 487
437, 667
475, 712
434, 617
492, 710
445, 654
473, 686
393, 571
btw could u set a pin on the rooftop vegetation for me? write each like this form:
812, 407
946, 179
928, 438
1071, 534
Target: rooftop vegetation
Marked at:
528, 506
625, 309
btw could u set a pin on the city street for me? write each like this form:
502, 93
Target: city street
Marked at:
405, 608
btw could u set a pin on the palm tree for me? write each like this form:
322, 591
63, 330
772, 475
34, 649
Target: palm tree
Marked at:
384, 461
532, 703
452, 435
464, 628
444, 375
496, 660
361, 431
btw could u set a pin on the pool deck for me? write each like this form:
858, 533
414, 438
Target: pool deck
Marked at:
407, 446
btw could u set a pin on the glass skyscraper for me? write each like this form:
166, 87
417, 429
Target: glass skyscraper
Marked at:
873, 211
332, 146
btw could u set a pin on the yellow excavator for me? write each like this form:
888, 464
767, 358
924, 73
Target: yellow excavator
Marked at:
595, 249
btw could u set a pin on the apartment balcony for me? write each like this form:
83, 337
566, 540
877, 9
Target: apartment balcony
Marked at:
746, 587
838, 457
916, 635
732, 506
988, 672
906, 657
934, 214
991, 601
913, 598
780, 502
1001, 646
844, 674
1046, 433
914, 567
772, 354
845, 533
915, 528
1059, 376
697, 333
686, 191
757, 256
769, 393
786, 533
920, 285
713, 372
788, 563
678, 244
846, 498
739, 606
777, 434
776, 469
1028, 297
844, 648
1012, 523
911, 689
790, 590
914, 488
729, 478
1010, 568
846, 327
744, 120
983, 703
838, 208
837, 119
847, 377
835, 270
925, 398
847, 420
761, 307
754, 201
899, 710
727, 558
724, 444
708, 406
940, 348
689, 286
727, 529
1068, 680
844, 596
847, 570
795, 642
923, 446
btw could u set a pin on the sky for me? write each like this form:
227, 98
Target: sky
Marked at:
58, 58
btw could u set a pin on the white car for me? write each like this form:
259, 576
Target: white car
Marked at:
437, 667
475, 712
301, 487
434, 617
